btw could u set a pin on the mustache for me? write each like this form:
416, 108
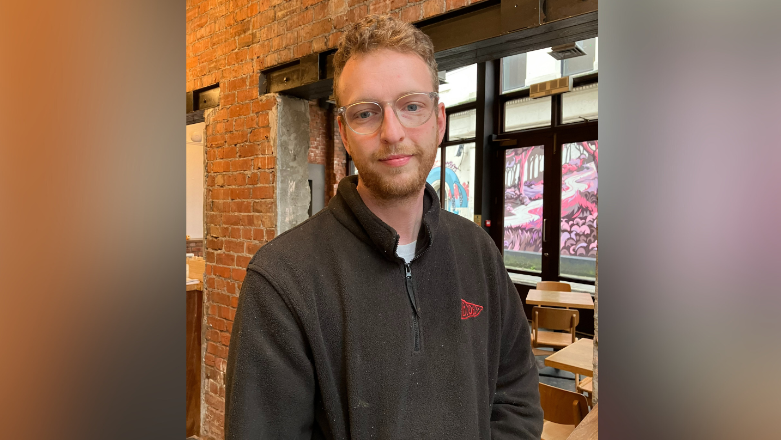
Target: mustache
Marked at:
395, 150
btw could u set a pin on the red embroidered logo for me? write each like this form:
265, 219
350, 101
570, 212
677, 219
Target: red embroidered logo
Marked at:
469, 310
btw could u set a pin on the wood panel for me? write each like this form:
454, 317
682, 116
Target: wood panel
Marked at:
193, 355
588, 428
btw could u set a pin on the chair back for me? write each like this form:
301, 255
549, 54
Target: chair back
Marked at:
562, 406
555, 319
554, 285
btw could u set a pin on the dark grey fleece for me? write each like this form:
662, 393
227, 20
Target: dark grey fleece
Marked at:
323, 345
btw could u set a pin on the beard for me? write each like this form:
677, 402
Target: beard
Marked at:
394, 184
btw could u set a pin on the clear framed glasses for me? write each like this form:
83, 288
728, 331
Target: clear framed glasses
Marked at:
412, 110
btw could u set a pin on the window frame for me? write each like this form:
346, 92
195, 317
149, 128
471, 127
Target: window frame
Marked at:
552, 137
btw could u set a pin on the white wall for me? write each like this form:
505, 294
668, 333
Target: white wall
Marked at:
195, 174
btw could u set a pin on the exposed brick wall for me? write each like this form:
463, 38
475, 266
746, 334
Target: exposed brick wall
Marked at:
195, 247
230, 42
240, 217
338, 160
318, 133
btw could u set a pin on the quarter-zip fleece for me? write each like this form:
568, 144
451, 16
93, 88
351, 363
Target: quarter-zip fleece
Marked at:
335, 337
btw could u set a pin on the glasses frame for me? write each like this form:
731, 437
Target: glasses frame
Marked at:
433, 95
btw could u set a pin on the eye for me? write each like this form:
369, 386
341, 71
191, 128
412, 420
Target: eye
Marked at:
412, 107
364, 115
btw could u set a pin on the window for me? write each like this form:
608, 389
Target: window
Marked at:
523, 189
459, 86
578, 239
453, 174
550, 149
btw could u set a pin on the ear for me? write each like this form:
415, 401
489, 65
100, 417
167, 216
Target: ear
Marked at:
343, 134
441, 122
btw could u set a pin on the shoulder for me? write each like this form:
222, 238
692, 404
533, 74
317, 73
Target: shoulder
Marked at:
294, 247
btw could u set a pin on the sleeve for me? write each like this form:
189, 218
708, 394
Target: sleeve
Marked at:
516, 411
270, 380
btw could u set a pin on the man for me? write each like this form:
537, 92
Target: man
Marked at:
382, 316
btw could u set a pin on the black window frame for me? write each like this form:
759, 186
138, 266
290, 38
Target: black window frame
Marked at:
491, 142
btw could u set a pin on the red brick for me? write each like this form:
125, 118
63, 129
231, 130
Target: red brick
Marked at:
234, 246
264, 207
266, 177
412, 14
247, 94
260, 134
225, 339
433, 7
455, 4
221, 271
213, 243
212, 335
263, 19
243, 206
239, 110
231, 219
216, 323
270, 234
240, 193
263, 192
241, 165
225, 260
253, 247
234, 301
238, 275
248, 150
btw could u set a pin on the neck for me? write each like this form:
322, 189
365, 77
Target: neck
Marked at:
403, 215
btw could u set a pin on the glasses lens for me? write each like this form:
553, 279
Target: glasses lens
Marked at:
364, 117
415, 109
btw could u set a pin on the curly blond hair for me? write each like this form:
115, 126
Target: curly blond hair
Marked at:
383, 32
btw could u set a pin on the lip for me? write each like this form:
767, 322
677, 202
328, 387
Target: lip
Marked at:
396, 160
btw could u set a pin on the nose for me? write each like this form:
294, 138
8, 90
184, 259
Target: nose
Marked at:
391, 132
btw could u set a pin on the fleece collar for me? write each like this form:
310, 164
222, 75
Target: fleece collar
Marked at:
349, 209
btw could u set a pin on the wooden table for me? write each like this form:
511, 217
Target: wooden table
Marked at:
577, 358
575, 300
587, 429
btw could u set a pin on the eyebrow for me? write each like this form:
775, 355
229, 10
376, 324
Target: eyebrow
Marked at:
364, 99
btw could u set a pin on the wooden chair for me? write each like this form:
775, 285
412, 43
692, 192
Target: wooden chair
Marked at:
585, 386
562, 409
554, 285
553, 319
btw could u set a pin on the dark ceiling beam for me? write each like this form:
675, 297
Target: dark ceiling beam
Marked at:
481, 32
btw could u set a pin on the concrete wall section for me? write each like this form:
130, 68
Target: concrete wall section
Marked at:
290, 135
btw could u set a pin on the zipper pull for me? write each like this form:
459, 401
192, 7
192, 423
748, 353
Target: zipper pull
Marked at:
409, 271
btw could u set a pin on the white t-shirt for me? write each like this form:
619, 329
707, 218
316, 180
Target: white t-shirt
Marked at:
406, 251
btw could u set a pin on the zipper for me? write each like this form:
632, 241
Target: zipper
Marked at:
415, 311
411, 292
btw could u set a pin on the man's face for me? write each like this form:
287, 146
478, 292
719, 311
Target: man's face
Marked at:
394, 161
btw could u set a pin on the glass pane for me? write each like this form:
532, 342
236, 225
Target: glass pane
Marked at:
584, 64
459, 86
462, 125
522, 70
581, 102
520, 114
459, 179
523, 186
580, 161
435, 174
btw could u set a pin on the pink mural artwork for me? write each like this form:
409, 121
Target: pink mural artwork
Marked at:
523, 199
579, 199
